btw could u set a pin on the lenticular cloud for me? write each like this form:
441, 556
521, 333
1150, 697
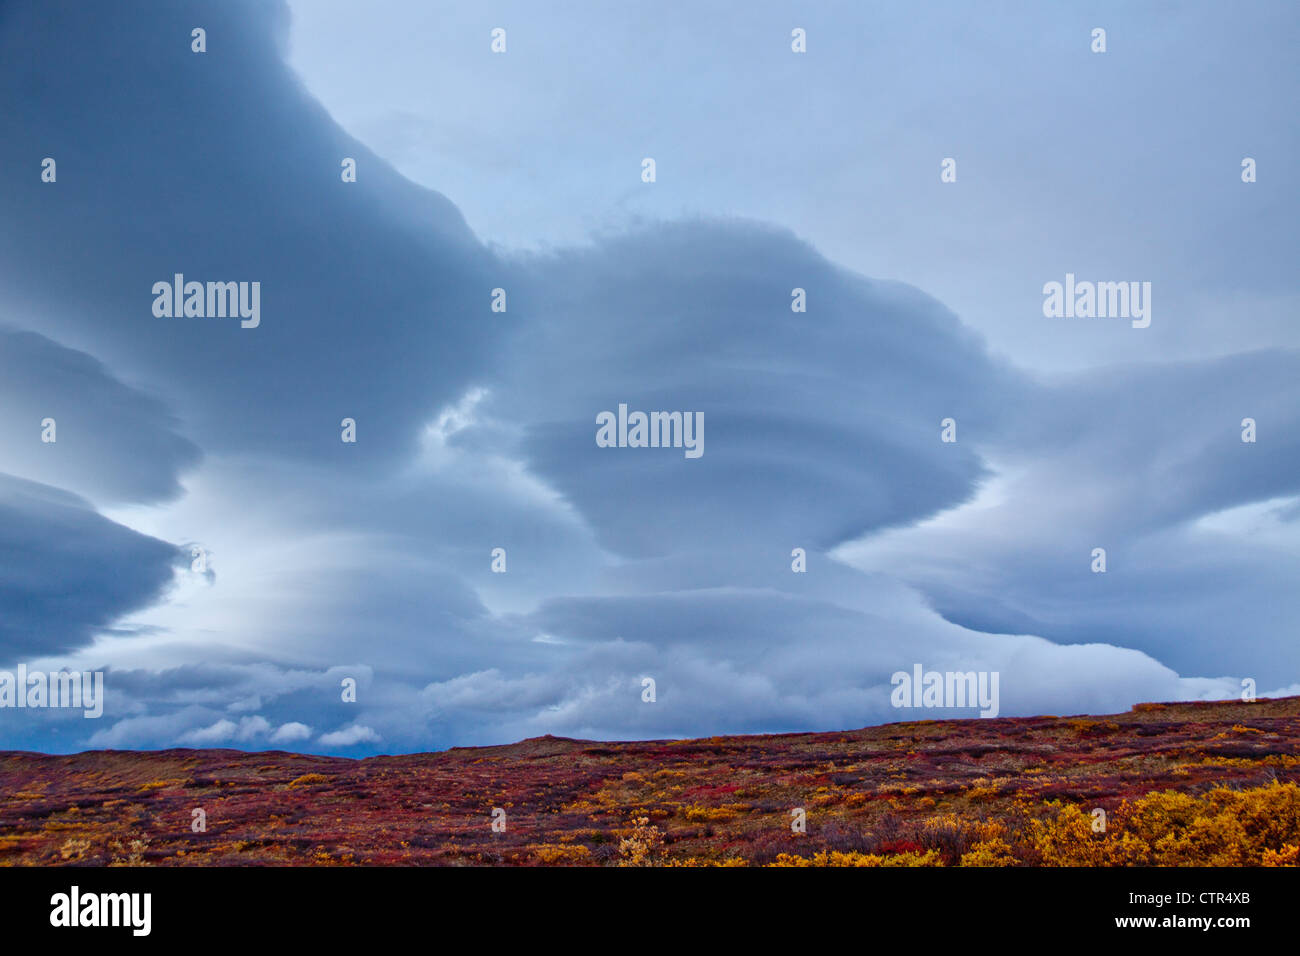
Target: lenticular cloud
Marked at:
311, 431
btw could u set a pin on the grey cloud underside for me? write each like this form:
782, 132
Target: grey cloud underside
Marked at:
66, 572
118, 445
220, 167
819, 426
1132, 460
821, 431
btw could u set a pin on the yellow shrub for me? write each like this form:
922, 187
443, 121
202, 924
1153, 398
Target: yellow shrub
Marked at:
703, 861
994, 852
552, 853
1287, 856
835, 858
1220, 828
697, 813
308, 779
643, 846
976, 830
1068, 840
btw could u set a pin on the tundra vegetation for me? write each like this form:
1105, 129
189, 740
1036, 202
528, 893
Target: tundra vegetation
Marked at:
1163, 785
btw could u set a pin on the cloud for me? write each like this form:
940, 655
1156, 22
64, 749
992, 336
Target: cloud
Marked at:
291, 732
113, 444
66, 572
476, 431
356, 278
220, 732
349, 736
158, 730
834, 413
1149, 464
744, 661
248, 730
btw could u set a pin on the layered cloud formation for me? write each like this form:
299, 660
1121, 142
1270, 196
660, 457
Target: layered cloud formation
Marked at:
326, 564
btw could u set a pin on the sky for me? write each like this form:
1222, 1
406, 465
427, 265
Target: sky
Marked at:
200, 533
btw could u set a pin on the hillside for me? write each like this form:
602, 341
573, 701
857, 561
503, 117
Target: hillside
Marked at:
1001, 791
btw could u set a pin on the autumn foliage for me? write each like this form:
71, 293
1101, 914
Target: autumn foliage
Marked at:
1214, 784
1224, 827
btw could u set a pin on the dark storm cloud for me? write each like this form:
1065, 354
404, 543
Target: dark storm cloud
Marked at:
113, 444
218, 166
66, 571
